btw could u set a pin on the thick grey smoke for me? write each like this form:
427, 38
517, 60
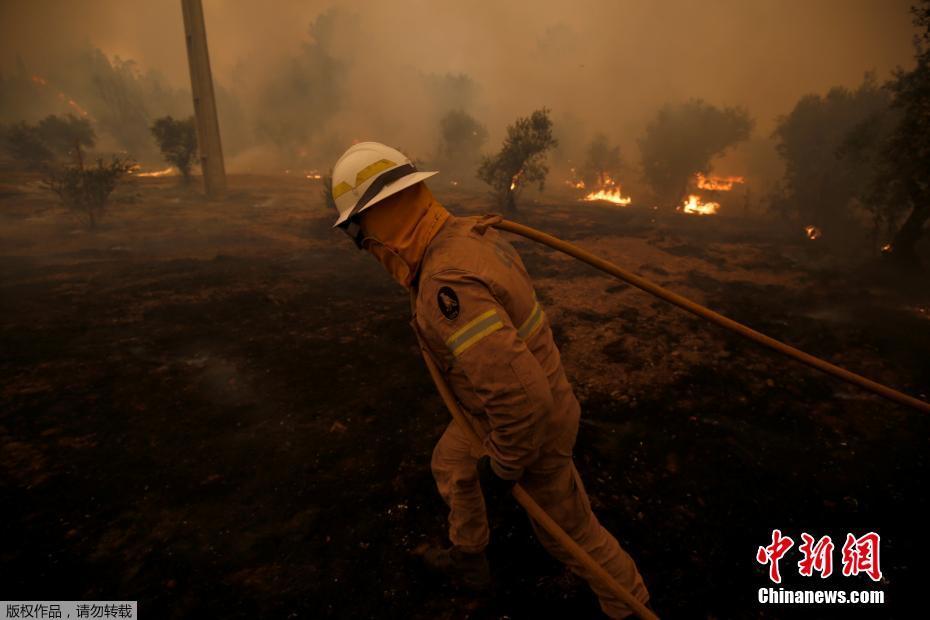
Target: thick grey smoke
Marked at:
300, 80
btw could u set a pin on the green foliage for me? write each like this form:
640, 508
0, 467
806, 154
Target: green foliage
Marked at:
521, 160
602, 161
461, 139
64, 135
22, 143
683, 139
821, 180
870, 146
53, 138
902, 185
86, 191
177, 140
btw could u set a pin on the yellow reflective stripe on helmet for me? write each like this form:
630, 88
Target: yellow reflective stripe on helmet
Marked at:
372, 169
363, 175
476, 329
532, 323
341, 189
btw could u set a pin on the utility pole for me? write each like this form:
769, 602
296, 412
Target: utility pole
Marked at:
208, 127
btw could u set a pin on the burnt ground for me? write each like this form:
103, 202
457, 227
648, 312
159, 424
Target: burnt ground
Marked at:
219, 409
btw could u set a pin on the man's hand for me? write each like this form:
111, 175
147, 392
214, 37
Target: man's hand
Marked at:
493, 485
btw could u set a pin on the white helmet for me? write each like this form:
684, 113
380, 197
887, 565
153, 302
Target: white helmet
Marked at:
367, 173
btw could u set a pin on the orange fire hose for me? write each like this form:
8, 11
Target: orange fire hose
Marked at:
527, 502
708, 314
535, 510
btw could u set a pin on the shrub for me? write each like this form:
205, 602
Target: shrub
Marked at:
521, 160
177, 140
86, 190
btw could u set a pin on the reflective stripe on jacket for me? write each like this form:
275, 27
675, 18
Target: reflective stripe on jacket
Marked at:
477, 315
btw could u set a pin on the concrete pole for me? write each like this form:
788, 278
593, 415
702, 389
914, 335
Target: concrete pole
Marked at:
208, 127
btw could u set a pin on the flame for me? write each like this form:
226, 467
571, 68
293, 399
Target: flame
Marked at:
887, 248
169, 171
574, 182
609, 191
71, 103
513, 180
693, 205
719, 184
610, 195
813, 232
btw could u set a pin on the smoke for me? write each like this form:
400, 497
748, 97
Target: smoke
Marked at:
298, 81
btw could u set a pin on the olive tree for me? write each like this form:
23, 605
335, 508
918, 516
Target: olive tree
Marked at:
521, 160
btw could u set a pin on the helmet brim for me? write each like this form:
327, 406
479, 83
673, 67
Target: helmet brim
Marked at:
388, 190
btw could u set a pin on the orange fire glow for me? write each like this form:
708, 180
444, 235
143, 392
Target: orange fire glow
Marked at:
71, 103
694, 206
813, 233
719, 184
609, 191
574, 182
169, 171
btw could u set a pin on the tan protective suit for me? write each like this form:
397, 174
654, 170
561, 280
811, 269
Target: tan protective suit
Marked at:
476, 313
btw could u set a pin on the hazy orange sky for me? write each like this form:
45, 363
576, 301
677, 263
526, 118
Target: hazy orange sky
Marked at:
601, 66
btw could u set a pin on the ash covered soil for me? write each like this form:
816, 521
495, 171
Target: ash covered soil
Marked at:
219, 410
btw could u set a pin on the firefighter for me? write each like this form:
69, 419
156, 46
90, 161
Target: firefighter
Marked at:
476, 314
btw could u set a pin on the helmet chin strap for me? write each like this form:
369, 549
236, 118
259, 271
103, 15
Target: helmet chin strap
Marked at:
351, 226
354, 230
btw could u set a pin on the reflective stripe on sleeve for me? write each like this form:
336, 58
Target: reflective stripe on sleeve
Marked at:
532, 323
476, 329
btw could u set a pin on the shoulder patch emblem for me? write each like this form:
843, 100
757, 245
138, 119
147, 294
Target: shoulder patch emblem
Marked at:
448, 302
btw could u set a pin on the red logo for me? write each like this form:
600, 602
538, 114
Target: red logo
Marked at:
860, 555
773, 553
817, 557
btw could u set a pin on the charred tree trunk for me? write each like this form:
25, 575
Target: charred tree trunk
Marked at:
510, 202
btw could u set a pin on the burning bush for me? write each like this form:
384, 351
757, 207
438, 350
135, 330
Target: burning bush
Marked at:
683, 139
521, 160
87, 190
603, 162
178, 143
53, 138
